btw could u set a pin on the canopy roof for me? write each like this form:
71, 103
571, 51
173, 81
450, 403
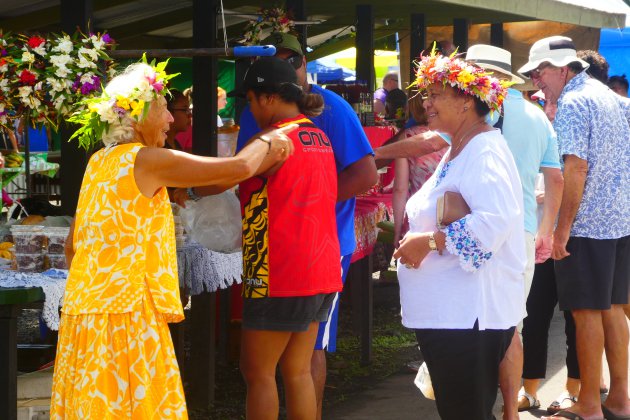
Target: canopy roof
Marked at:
168, 23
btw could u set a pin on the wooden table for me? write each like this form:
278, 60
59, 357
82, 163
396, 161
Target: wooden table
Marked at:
11, 301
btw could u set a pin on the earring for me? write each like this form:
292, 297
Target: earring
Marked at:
465, 108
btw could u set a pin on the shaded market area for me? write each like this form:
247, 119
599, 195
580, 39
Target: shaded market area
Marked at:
351, 47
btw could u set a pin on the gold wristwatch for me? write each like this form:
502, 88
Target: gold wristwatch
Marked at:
432, 243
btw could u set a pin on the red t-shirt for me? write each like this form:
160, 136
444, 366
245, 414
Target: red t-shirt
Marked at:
290, 245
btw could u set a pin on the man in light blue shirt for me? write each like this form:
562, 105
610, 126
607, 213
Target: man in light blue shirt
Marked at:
591, 243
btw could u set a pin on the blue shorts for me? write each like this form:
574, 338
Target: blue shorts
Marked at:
327, 334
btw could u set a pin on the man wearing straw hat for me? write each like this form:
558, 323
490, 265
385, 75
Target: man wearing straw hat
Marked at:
591, 242
532, 141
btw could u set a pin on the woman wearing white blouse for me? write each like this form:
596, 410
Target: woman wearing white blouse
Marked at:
461, 288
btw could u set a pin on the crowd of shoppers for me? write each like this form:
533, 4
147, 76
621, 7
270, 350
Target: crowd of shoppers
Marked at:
466, 282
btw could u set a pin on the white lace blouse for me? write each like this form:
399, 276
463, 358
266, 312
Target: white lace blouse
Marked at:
480, 275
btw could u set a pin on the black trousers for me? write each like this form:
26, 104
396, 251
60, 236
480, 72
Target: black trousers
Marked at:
541, 304
464, 369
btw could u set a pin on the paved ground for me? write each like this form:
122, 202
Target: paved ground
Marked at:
397, 398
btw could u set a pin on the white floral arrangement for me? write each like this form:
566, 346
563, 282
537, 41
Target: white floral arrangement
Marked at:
45, 79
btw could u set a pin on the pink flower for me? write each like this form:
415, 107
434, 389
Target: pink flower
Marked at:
157, 86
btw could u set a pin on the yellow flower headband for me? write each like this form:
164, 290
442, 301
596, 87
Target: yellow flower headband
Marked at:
455, 72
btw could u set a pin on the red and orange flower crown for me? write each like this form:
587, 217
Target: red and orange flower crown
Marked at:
455, 72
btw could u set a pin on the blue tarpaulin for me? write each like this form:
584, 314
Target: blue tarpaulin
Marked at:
614, 45
328, 72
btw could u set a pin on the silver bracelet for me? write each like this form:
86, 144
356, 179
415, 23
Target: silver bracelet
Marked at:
267, 140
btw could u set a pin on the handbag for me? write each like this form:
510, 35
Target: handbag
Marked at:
451, 207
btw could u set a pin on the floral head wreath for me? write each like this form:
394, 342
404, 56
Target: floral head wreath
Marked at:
455, 72
103, 113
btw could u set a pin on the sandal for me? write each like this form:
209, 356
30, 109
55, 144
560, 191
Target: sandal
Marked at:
556, 406
609, 415
566, 414
526, 401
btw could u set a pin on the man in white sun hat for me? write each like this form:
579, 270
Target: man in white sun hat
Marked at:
591, 242
533, 144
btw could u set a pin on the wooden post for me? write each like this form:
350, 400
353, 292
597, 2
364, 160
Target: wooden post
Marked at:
202, 350
417, 39
8, 355
365, 45
496, 35
460, 34
205, 79
74, 14
359, 287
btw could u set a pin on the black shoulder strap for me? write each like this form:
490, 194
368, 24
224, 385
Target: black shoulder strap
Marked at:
499, 123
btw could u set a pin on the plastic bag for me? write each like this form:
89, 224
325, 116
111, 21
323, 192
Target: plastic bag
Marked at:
214, 221
423, 382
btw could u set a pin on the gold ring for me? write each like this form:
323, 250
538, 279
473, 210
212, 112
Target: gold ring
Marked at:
408, 266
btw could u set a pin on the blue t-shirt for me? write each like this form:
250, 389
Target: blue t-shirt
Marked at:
349, 142
533, 144
593, 125
37, 139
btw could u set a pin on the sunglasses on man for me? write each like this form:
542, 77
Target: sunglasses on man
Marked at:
295, 61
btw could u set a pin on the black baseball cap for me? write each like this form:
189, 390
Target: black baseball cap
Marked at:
266, 72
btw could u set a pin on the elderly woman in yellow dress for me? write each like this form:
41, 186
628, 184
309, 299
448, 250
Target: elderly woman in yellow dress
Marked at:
461, 285
115, 357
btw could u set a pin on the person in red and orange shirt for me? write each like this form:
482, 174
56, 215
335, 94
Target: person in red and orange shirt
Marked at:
291, 264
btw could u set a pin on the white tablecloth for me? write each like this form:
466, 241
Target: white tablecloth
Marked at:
202, 270
53, 283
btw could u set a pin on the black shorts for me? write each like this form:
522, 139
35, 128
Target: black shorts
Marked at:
285, 313
595, 275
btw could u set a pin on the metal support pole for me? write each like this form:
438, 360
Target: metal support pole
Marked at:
205, 78
74, 13
460, 34
27, 155
496, 35
417, 40
365, 45
297, 8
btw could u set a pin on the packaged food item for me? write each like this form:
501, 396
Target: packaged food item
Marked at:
33, 219
28, 239
30, 262
57, 261
56, 239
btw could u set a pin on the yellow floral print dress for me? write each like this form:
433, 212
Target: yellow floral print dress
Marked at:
115, 357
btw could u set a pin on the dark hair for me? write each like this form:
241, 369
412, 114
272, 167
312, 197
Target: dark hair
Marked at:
395, 99
598, 66
481, 107
175, 95
416, 109
619, 80
310, 104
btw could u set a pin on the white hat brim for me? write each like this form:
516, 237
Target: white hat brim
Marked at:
517, 80
531, 65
